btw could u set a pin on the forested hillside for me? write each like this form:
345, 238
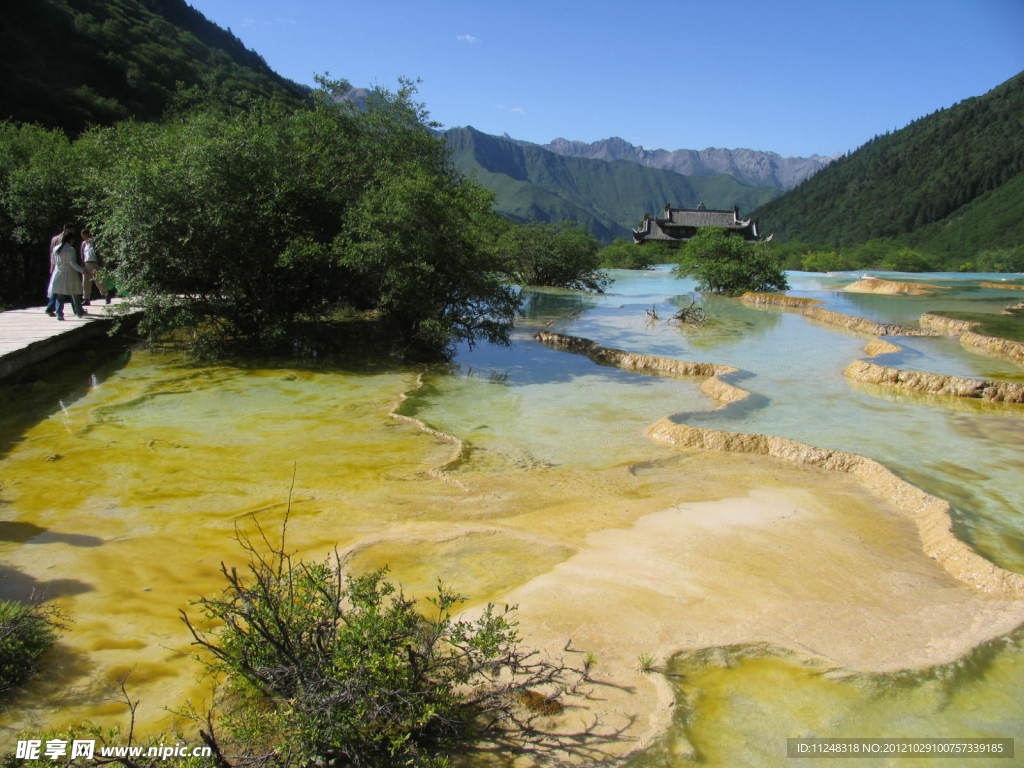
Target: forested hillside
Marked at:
608, 198
948, 184
69, 63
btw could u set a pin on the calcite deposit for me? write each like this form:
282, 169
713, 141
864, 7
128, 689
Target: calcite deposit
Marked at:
714, 386
930, 513
892, 287
1008, 349
811, 309
935, 383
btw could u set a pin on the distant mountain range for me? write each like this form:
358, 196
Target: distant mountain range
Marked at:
747, 165
950, 183
607, 197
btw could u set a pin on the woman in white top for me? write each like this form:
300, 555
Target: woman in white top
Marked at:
91, 264
66, 280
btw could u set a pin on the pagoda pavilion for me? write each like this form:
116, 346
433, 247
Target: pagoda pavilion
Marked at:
677, 225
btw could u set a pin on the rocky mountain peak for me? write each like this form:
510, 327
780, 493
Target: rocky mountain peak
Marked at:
747, 165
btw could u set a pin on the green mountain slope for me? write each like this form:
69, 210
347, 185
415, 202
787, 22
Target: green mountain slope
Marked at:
994, 219
918, 176
606, 197
68, 63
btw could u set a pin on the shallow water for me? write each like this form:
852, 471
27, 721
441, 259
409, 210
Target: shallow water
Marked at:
740, 706
124, 481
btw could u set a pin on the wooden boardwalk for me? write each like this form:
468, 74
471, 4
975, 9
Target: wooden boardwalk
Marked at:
28, 336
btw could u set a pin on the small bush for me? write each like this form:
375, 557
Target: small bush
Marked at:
907, 260
557, 255
27, 630
725, 263
325, 668
623, 254
827, 261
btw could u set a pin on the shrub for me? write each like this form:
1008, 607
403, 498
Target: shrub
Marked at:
326, 668
27, 630
623, 254
907, 260
725, 263
558, 255
827, 261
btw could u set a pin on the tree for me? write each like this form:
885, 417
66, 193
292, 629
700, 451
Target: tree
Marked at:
245, 225
1001, 260
907, 260
416, 240
827, 261
625, 254
326, 668
558, 255
37, 176
725, 263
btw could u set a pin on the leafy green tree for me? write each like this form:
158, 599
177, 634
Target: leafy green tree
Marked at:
557, 255
243, 225
827, 261
725, 263
417, 241
791, 253
873, 253
625, 254
1000, 260
37, 179
907, 260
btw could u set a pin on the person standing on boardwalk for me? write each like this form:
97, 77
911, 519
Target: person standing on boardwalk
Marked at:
91, 264
51, 301
66, 280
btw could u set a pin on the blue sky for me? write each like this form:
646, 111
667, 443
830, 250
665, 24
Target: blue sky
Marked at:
795, 77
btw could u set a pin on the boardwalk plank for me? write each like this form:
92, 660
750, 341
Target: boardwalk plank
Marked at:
29, 335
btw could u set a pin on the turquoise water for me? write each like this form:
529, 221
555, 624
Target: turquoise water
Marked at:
740, 710
966, 453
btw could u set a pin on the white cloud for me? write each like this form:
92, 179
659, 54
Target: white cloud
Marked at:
517, 109
277, 21
467, 38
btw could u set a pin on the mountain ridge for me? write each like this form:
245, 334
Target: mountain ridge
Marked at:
119, 59
919, 183
750, 166
608, 198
